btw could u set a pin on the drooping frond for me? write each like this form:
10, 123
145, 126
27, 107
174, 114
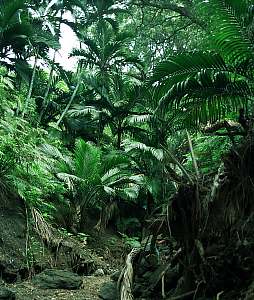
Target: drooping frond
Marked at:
115, 159
130, 192
206, 97
85, 55
185, 65
70, 180
78, 111
91, 44
131, 147
205, 86
44, 38
119, 182
229, 29
8, 10
134, 119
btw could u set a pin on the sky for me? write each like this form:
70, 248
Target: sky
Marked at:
68, 41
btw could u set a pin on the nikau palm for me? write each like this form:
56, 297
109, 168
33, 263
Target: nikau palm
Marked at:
203, 86
20, 32
95, 180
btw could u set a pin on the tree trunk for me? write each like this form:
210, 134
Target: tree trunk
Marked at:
31, 85
45, 98
119, 135
70, 102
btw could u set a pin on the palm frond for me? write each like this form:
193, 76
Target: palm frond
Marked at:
8, 9
182, 66
83, 53
78, 111
206, 97
45, 38
70, 180
130, 192
114, 24
87, 161
131, 147
229, 31
109, 191
115, 159
114, 173
91, 44
134, 119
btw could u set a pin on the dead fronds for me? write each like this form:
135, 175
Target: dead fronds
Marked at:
126, 278
42, 227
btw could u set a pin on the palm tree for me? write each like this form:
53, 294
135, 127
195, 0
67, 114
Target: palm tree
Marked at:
204, 86
20, 33
118, 108
94, 179
13, 32
104, 53
102, 11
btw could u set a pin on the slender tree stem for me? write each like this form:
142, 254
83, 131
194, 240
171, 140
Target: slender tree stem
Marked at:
71, 100
45, 98
28, 98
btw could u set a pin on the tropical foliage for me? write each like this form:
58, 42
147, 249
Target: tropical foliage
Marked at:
160, 100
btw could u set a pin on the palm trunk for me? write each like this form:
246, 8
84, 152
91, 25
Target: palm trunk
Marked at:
70, 102
119, 135
45, 98
28, 98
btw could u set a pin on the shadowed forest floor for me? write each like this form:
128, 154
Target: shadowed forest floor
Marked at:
89, 290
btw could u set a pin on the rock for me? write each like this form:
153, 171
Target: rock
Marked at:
58, 279
108, 291
99, 272
12, 248
6, 294
115, 275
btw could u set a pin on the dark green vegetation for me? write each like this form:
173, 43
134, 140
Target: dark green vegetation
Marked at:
150, 135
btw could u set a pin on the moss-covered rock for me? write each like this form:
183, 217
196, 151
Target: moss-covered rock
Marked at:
58, 279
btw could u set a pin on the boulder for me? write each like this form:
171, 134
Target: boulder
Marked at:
99, 272
12, 237
108, 291
58, 279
